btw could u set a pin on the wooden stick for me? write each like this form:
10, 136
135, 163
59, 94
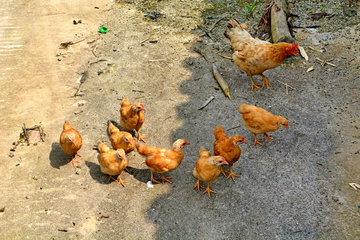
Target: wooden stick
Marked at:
25, 133
201, 53
82, 80
233, 127
226, 57
286, 85
207, 102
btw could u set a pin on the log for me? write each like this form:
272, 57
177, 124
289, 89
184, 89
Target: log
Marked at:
279, 26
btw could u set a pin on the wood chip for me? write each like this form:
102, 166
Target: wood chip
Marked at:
303, 53
223, 84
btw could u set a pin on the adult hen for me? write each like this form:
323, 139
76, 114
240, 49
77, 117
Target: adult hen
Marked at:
255, 56
227, 148
120, 139
70, 141
260, 121
207, 169
132, 116
112, 162
162, 160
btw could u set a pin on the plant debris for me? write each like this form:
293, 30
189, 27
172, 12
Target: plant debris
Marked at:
82, 80
65, 45
317, 16
303, 53
223, 84
207, 102
324, 62
310, 69
30, 136
355, 186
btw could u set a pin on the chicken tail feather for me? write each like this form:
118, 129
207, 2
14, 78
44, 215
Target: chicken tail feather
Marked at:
102, 147
219, 133
112, 128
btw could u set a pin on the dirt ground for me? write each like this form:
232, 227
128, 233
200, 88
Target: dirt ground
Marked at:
295, 187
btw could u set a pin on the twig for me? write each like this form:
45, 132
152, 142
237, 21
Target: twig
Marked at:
66, 44
41, 133
158, 60
233, 127
25, 133
201, 53
101, 60
93, 50
207, 102
134, 90
207, 32
144, 40
160, 126
287, 85
226, 57
82, 80
315, 26
213, 25
323, 62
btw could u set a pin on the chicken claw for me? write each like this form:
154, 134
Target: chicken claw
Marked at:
198, 185
264, 80
163, 178
254, 85
208, 190
232, 175
223, 171
73, 161
257, 141
118, 180
267, 136
140, 138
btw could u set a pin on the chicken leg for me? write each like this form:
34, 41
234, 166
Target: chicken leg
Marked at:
254, 85
264, 80
140, 138
73, 161
208, 190
231, 174
257, 141
163, 178
197, 185
223, 171
267, 136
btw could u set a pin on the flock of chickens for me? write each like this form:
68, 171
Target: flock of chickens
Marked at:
253, 56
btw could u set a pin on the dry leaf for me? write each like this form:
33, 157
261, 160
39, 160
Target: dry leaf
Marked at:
354, 186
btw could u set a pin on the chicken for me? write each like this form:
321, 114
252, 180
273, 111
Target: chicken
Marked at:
112, 162
70, 141
228, 148
162, 160
207, 169
255, 56
260, 121
132, 116
120, 139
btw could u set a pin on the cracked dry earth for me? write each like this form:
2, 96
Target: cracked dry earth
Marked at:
295, 187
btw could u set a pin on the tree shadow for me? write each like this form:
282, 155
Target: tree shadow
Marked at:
57, 156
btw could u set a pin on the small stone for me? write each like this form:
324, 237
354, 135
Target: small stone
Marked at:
11, 155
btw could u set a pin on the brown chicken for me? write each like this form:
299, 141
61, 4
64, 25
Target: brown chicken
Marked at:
132, 116
207, 169
254, 56
228, 148
162, 160
112, 162
70, 141
120, 139
260, 121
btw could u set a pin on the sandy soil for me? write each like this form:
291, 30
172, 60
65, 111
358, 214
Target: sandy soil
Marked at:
295, 187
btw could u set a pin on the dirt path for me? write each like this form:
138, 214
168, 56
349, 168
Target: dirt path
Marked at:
295, 187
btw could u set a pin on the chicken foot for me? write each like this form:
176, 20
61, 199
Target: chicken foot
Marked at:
232, 175
198, 185
73, 161
267, 136
257, 141
264, 80
208, 190
223, 171
254, 85
140, 138
118, 180
163, 178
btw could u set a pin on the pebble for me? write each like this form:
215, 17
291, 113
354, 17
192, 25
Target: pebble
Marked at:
11, 155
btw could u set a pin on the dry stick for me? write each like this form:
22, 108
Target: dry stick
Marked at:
66, 44
41, 133
226, 57
160, 127
233, 127
201, 53
286, 85
82, 80
207, 32
207, 102
25, 133
93, 50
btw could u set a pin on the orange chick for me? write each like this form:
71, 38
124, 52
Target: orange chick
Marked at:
260, 121
207, 169
70, 141
120, 139
132, 116
254, 56
228, 148
162, 160
112, 162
